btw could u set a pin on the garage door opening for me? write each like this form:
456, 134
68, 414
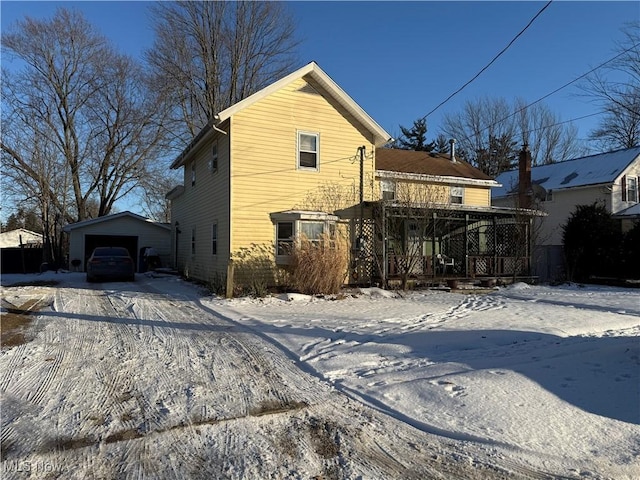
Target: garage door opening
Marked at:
130, 242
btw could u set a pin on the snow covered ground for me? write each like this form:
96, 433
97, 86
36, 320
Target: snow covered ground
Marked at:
156, 379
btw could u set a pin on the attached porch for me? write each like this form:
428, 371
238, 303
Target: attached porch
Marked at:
433, 243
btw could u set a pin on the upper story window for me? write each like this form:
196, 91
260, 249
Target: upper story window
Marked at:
193, 173
632, 189
457, 195
213, 160
388, 188
308, 151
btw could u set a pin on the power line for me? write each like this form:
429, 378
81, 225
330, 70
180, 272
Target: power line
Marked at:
492, 61
563, 86
563, 122
554, 92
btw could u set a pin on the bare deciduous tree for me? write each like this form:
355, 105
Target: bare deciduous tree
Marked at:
489, 132
210, 55
80, 125
616, 89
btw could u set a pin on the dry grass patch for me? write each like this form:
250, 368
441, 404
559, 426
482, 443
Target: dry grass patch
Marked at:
319, 266
15, 322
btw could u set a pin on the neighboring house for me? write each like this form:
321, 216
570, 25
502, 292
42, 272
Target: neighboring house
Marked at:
20, 237
21, 251
610, 178
300, 157
124, 229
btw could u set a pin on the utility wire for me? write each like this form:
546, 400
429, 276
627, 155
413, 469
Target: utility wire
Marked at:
552, 93
492, 61
563, 122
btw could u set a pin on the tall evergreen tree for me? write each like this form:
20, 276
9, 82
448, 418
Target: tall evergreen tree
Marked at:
415, 138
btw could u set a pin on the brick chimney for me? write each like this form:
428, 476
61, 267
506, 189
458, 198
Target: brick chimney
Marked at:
524, 179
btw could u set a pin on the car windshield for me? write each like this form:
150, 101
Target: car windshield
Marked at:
111, 252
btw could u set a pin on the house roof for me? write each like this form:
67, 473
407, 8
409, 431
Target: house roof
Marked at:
107, 218
427, 164
311, 70
603, 168
630, 212
13, 238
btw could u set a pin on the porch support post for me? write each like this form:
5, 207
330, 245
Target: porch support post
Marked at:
433, 246
466, 245
530, 245
495, 246
385, 260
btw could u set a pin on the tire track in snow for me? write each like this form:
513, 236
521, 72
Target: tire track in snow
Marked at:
145, 336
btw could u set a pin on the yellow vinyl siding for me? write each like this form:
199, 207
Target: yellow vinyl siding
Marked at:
423, 192
477, 196
419, 192
200, 206
264, 176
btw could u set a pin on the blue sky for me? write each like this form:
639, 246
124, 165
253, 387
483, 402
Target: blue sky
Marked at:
399, 60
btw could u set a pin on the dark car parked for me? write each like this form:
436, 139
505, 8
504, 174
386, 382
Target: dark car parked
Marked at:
110, 263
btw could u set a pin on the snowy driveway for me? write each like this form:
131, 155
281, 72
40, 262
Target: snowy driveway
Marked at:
141, 380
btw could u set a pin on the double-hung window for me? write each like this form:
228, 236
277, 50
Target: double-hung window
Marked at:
193, 241
312, 230
284, 238
308, 151
213, 161
292, 225
457, 195
388, 189
632, 189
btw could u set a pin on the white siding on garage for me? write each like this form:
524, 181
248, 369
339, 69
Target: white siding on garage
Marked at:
149, 235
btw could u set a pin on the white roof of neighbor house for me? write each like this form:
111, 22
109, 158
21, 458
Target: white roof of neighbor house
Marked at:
632, 211
12, 238
592, 170
106, 218
311, 70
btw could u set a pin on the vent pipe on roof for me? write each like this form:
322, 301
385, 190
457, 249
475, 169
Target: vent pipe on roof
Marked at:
452, 142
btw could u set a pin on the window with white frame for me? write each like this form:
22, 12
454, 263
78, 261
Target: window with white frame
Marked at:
291, 225
457, 195
193, 173
632, 189
308, 150
214, 239
213, 160
312, 230
193, 240
388, 188
284, 235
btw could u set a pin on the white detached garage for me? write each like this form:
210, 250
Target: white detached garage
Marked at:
124, 229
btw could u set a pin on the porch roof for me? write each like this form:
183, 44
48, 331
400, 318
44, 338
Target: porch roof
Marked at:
460, 210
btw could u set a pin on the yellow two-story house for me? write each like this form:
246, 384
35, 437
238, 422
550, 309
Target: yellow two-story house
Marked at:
249, 176
299, 157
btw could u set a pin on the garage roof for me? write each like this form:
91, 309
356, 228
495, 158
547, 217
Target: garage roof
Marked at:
108, 218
